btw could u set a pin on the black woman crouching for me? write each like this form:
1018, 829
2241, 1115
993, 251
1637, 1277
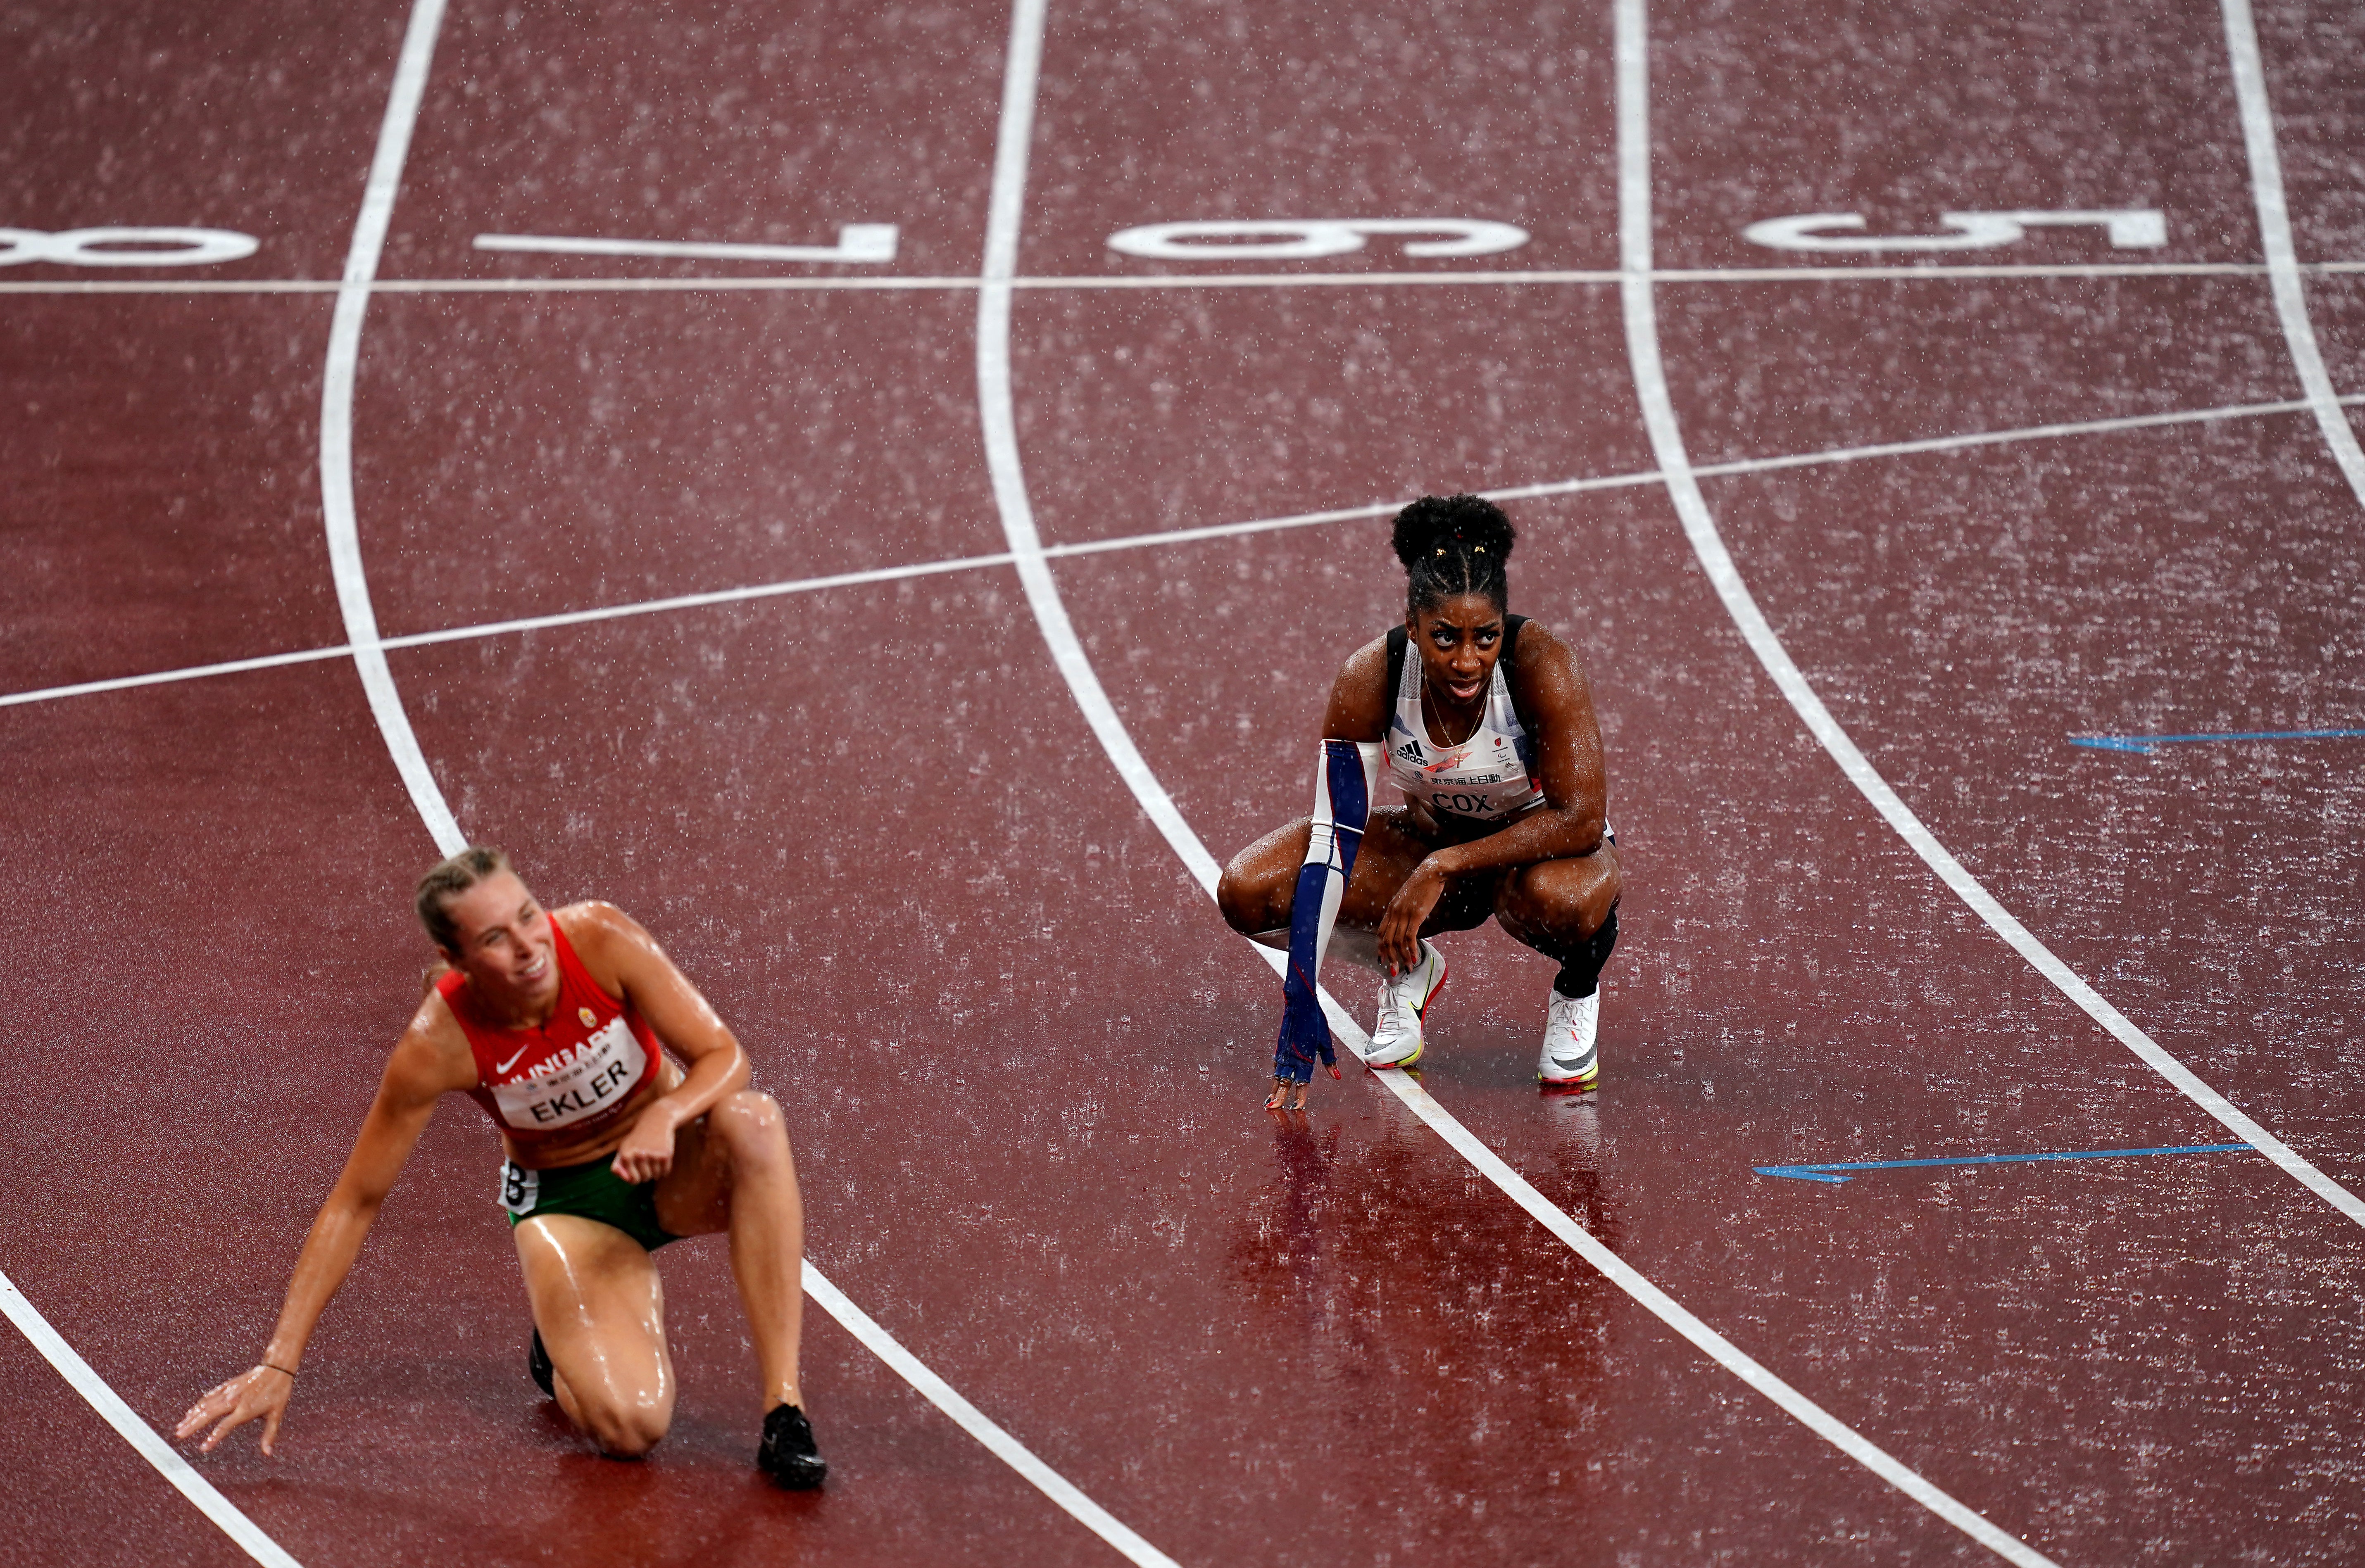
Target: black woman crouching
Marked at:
1483, 720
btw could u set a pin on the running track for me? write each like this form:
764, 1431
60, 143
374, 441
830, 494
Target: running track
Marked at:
1020, 1055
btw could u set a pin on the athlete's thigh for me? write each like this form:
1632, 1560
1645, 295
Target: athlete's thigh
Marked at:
1560, 899
694, 1197
1467, 903
736, 1155
600, 1308
1394, 847
1260, 884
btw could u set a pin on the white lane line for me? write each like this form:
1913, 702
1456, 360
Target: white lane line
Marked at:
419, 41
1707, 545
1000, 418
137, 1432
1999, 438
2275, 238
1732, 468
1066, 1494
337, 424
698, 600
1003, 458
863, 242
1959, 271
160, 677
1586, 277
522, 624
1417, 1098
1715, 1346
427, 797
1174, 536
1009, 1449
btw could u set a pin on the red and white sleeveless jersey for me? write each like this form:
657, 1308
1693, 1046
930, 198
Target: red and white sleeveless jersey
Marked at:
570, 1074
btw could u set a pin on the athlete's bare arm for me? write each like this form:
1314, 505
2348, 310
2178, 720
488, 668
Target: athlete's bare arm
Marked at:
628, 963
1548, 685
1548, 688
1360, 699
430, 1060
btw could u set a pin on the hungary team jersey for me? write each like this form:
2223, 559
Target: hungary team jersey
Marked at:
570, 1074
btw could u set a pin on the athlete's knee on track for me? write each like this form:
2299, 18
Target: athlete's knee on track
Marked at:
1523, 900
1610, 879
625, 1420
1255, 891
623, 1429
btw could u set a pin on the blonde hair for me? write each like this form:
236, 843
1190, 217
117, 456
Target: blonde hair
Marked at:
448, 879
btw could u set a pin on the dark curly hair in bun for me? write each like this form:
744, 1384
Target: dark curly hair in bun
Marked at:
1452, 545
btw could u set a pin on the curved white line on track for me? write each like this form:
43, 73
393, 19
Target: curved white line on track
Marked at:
1699, 526
144, 1438
386, 704
1007, 1448
337, 423
1004, 211
2275, 238
361, 626
1001, 432
394, 723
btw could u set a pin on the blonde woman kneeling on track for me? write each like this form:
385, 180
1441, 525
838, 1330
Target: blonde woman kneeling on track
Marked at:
559, 1025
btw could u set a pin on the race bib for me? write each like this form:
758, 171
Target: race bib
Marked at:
596, 1076
521, 1188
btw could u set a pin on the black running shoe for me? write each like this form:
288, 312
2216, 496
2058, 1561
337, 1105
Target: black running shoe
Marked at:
537, 1365
787, 1454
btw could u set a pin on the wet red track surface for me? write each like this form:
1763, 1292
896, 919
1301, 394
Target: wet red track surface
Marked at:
1020, 1056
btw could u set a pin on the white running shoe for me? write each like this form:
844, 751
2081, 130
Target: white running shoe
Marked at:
1570, 1060
1403, 1002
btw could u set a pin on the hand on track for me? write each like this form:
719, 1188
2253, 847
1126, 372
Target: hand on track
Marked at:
262, 1391
1288, 1095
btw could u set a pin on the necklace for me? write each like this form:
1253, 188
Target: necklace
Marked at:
1434, 715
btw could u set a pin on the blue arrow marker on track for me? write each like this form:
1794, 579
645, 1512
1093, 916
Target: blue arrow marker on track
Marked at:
1824, 1172
2144, 743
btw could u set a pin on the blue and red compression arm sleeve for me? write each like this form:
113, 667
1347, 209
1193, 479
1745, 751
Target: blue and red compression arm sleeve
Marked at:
1343, 785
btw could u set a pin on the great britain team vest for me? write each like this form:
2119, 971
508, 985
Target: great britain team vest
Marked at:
1486, 782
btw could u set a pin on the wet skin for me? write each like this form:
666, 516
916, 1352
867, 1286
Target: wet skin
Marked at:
717, 1151
1549, 880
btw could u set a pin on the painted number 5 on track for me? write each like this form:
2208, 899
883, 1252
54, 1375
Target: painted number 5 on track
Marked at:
2129, 227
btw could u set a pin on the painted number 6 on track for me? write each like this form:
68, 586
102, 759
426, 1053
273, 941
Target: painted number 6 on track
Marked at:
1302, 238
